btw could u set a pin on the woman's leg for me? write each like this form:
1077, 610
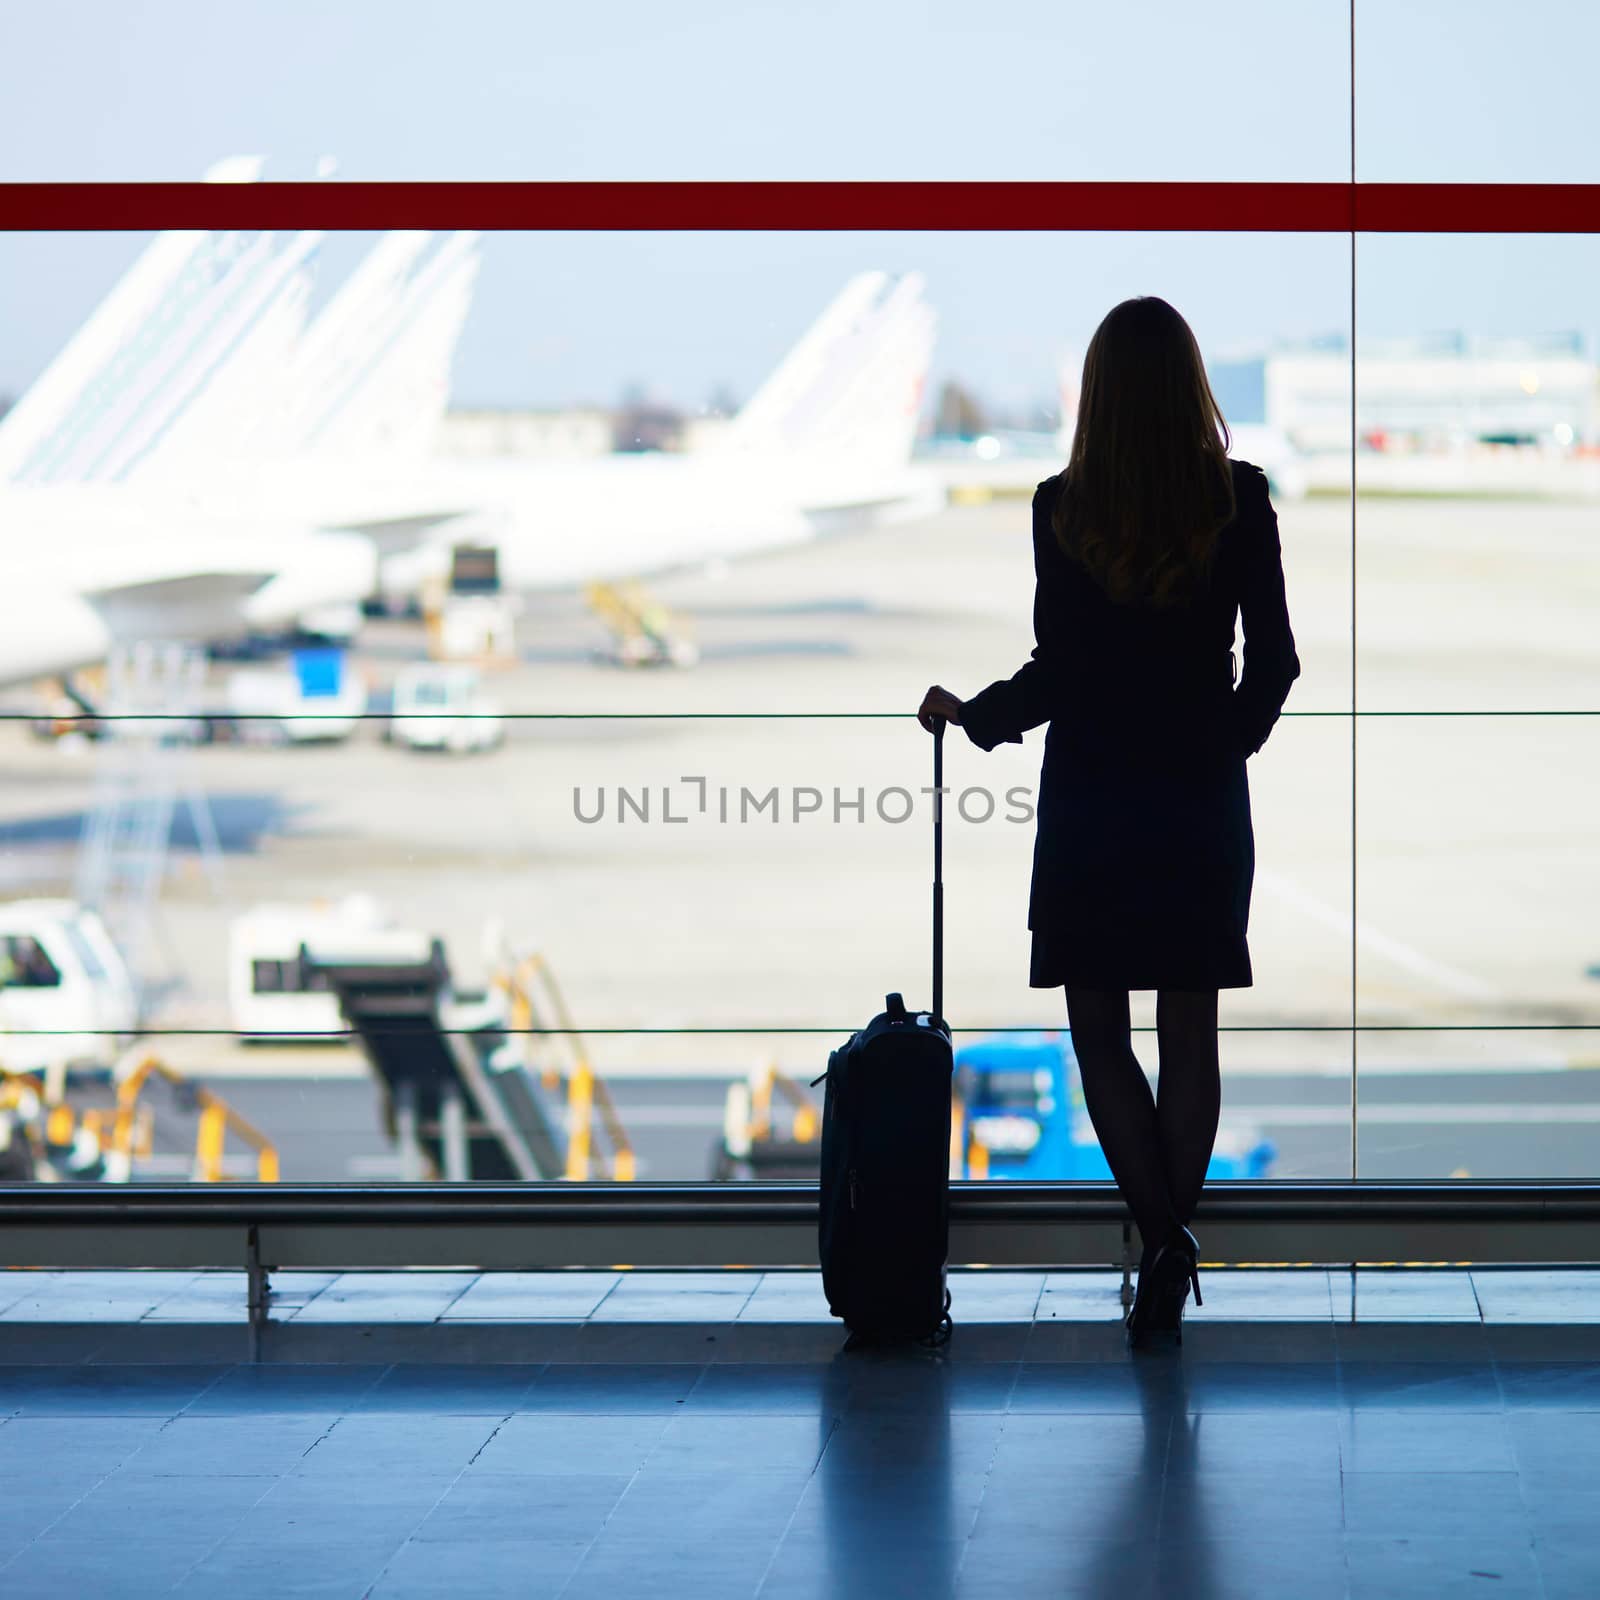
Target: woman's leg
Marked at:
1188, 1091
1121, 1107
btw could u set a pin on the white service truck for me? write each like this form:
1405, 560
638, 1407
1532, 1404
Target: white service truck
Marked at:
443, 707
273, 996
67, 999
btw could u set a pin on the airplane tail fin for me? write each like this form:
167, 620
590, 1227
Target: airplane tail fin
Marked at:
205, 409
372, 375
195, 308
850, 391
39, 433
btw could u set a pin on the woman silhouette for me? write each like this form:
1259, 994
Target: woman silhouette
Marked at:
1145, 547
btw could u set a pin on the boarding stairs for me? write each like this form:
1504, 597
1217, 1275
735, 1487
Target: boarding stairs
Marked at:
457, 1097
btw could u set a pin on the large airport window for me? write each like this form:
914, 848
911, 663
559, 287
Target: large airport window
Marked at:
1476, 670
494, 690
640, 799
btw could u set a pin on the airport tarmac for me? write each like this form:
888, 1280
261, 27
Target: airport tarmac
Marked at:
1429, 1125
1477, 837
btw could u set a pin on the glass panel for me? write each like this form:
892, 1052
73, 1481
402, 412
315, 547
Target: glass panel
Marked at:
337, 782
1299, 919
1469, 96
1480, 862
894, 90
587, 841
1477, 582
1479, 1104
1479, 415
1479, 855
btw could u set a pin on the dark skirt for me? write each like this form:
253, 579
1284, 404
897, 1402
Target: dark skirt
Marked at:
1142, 879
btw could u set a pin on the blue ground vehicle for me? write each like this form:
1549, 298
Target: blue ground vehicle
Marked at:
1025, 1117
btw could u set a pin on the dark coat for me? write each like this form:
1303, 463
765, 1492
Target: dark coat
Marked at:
1145, 854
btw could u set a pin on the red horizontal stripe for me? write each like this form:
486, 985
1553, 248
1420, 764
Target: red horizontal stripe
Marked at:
1478, 207
811, 207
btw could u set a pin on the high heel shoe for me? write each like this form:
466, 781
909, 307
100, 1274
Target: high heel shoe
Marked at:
1136, 1319
1177, 1272
1164, 1286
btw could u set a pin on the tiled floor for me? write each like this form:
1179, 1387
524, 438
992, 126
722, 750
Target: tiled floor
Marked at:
624, 1435
1489, 1296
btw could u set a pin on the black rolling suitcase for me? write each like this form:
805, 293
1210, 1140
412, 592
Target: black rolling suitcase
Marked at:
884, 1223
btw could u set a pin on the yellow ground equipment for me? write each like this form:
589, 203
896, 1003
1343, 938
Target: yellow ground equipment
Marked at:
217, 1120
968, 1158
22, 1119
756, 1142
44, 1134
538, 1016
646, 634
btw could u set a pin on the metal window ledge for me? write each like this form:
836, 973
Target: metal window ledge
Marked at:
542, 1226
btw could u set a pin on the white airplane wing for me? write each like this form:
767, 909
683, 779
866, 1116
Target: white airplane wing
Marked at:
50, 629
94, 564
187, 604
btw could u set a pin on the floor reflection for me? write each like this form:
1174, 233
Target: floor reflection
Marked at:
928, 1487
1187, 1531
899, 1481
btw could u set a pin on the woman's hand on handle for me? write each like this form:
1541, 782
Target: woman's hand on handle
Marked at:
939, 702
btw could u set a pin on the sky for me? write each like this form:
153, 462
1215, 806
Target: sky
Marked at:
1446, 90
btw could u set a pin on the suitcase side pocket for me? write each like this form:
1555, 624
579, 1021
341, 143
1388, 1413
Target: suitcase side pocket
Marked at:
835, 1241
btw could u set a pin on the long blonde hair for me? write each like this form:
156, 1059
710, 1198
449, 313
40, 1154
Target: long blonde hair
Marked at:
1148, 486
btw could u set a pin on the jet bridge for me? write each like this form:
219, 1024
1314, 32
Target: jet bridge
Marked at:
458, 1100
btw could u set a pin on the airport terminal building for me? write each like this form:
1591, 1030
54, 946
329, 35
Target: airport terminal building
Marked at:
1451, 392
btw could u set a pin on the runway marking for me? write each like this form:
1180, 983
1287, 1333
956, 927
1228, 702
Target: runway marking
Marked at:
1401, 954
1418, 1112
1411, 1115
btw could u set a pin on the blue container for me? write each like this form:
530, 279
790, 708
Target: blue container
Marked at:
1025, 1113
319, 671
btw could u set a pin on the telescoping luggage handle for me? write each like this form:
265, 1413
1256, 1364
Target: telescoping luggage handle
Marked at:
938, 870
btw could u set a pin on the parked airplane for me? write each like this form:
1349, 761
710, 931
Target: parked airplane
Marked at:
825, 443
100, 550
198, 462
